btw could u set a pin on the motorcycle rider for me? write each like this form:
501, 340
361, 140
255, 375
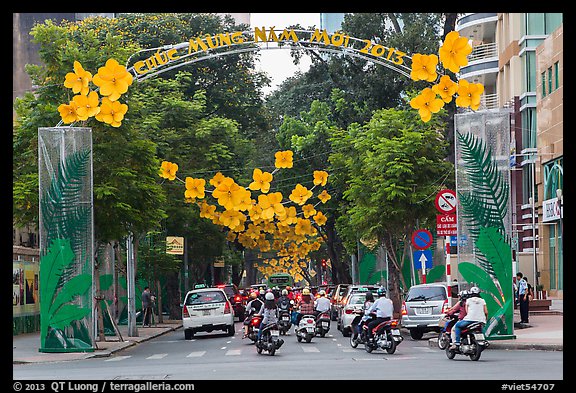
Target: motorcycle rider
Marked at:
458, 309
384, 309
366, 317
305, 305
476, 311
269, 313
322, 304
253, 306
283, 301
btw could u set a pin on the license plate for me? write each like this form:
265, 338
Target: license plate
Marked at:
325, 324
423, 310
395, 332
310, 330
285, 318
205, 312
274, 332
479, 336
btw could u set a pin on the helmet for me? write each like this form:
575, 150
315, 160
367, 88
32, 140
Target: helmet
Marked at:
269, 296
284, 292
322, 293
381, 291
474, 291
253, 295
262, 292
305, 291
288, 288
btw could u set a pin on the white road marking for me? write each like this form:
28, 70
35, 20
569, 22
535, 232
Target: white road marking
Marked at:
233, 352
157, 356
196, 354
117, 358
310, 349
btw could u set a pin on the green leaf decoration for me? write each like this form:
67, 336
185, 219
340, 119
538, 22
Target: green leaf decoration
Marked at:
492, 244
105, 281
67, 314
366, 267
436, 273
475, 274
74, 287
377, 277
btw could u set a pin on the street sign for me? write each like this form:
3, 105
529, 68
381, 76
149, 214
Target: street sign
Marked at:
446, 225
456, 241
423, 258
175, 245
446, 201
421, 239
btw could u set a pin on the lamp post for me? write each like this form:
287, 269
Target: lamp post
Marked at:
560, 200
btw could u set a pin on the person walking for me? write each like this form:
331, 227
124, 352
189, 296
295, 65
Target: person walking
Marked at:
523, 298
146, 306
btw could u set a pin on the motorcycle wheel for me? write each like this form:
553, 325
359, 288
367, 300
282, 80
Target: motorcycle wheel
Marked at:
272, 350
258, 348
450, 353
443, 341
477, 352
323, 333
298, 337
368, 347
353, 341
308, 337
392, 348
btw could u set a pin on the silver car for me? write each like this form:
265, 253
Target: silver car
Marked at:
205, 310
424, 307
354, 303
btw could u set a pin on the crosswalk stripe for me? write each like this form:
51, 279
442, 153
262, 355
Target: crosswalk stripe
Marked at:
196, 354
117, 358
157, 356
233, 352
310, 349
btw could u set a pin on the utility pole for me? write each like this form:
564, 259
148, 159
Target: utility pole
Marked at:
131, 282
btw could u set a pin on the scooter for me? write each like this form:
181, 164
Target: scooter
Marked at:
270, 340
444, 335
323, 323
355, 336
472, 342
284, 321
385, 335
253, 327
306, 329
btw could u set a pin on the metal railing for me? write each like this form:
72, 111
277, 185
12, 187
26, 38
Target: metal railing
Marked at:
483, 51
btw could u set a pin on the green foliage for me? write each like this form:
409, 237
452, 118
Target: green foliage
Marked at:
436, 274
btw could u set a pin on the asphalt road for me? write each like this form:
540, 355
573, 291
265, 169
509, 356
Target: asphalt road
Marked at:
216, 356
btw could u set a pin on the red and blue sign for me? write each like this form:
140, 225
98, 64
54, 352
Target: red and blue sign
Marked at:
422, 239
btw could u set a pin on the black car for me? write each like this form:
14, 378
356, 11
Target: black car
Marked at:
236, 298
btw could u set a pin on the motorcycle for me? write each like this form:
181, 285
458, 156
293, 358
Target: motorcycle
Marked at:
306, 329
472, 342
284, 321
357, 338
270, 340
253, 327
386, 336
323, 323
444, 335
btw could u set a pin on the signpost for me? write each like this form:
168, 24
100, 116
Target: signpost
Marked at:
446, 221
421, 240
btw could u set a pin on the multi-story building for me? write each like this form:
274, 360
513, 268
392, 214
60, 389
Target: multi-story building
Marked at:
518, 57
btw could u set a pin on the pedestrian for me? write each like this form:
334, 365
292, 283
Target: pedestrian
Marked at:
523, 297
146, 306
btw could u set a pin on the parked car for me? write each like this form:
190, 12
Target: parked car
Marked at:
350, 290
423, 308
236, 299
207, 309
353, 302
335, 300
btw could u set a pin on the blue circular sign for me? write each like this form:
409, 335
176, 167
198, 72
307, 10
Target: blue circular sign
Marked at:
422, 239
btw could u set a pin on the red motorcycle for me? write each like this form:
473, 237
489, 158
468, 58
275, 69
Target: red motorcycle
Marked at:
253, 327
385, 335
472, 342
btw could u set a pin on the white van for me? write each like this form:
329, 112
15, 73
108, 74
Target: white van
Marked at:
205, 310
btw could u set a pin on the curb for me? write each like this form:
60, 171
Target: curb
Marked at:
433, 342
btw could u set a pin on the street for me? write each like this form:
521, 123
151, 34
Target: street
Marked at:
215, 356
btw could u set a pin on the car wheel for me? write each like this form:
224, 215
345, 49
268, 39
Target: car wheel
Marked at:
346, 332
416, 334
231, 330
188, 334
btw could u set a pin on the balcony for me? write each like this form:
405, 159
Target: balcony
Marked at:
483, 52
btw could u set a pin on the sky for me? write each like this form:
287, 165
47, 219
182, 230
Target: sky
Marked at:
277, 62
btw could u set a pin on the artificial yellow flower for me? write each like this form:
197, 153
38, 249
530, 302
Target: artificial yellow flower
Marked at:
469, 94
308, 210
230, 218
231, 236
454, 51
303, 227
68, 112
261, 181
168, 170
226, 192
324, 196
113, 79
217, 179
111, 112
446, 88
320, 218
271, 205
284, 159
426, 103
87, 105
300, 194
242, 199
320, 178
194, 188
207, 210
424, 67
289, 217
78, 80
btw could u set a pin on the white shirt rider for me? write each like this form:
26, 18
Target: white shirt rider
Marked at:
383, 307
322, 304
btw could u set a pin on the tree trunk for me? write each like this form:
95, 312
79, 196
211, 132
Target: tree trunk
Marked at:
159, 301
173, 294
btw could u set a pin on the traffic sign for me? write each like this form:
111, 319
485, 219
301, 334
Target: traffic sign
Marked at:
423, 258
446, 201
421, 239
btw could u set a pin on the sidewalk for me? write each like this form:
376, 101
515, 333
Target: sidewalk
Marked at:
545, 332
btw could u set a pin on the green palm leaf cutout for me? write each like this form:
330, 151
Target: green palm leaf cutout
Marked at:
492, 244
69, 313
74, 287
436, 273
58, 256
475, 274
367, 267
377, 277
105, 281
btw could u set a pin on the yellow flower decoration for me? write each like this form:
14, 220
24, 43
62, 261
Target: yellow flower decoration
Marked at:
225, 193
87, 105
271, 204
194, 188
168, 170
469, 94
308, 210
113, 79
217, 179
231, 237
284, 159
207, 210
324, 196
242, 200
446, 88
454, 52
261, 181
230, 218
320, 218
300, 194
111, 112
426, 103
303, 227
424, 67
78, 80
68, 112
320, 178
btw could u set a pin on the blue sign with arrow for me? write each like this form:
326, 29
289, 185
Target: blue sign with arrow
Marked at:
423, 258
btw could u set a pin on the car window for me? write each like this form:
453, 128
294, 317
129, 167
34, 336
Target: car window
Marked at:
229, 291
426, 293
205, 297
359, 299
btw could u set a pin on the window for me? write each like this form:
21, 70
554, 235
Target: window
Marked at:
556, 75
530, 71
550, 80
551, 22
543, 84
552, 256
529, 128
